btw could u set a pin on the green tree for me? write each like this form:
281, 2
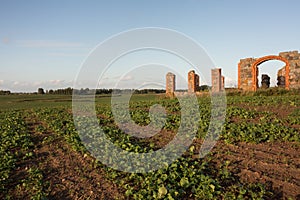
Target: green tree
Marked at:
41, 91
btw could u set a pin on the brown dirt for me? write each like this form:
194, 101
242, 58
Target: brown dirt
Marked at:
162, 138
281, 111
67, 174
276, 164
70, 175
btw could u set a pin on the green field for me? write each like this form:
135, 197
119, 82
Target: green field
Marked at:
256, 157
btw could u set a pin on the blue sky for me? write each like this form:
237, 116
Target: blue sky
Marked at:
44, 43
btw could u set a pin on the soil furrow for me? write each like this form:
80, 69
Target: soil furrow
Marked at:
70, 174
259, 163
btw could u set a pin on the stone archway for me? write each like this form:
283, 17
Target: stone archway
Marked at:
264, 59
248, 70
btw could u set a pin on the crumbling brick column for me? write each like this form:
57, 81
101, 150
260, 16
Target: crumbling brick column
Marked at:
193, 81
216, 79
223, 83
170, 84
197, 82
245, 74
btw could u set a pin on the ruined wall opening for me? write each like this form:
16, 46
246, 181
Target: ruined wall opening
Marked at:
283, 72
248, 71
268, 75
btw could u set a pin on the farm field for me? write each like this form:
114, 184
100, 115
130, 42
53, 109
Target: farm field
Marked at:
256, 157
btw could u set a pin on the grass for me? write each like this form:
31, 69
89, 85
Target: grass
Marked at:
32, 101
25, 101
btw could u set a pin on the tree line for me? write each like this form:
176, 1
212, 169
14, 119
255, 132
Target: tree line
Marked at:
69, 91
4, 92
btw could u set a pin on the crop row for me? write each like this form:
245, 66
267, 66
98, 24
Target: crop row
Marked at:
186, 177
16, 148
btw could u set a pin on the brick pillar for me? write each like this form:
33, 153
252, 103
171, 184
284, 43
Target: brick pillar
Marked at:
216, 79
245, 74
223, 83
193, 81
197, 82
170, 84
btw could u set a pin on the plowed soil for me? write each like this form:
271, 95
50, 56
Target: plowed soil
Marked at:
274, 164
69, 174
72, 175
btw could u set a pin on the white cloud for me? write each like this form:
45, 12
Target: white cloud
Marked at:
32, 86
37, 83
156, 85
229, 82
47, 44
56, 82
127, 78
16, 83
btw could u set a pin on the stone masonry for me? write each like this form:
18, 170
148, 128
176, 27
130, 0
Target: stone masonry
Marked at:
223, 83
216, 80
197, 82
293, 77
193, 81
170, 84
245, 79
265, 81
281, 77
288, 76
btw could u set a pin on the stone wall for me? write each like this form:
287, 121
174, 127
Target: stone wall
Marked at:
281, 71
248, 70
294, 68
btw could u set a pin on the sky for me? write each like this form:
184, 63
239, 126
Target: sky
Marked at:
45, 43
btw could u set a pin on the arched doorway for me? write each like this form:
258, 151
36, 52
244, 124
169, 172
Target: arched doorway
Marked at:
271, 74
264, 59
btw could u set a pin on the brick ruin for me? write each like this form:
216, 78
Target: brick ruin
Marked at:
287, 77
265, 81
217, 80
193, 81
170, 84
223, 82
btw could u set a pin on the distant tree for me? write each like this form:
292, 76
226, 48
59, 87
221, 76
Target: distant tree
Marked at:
149, 91
204, 88
103, 91
2, 92
66, 91
69, 91
41, 91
